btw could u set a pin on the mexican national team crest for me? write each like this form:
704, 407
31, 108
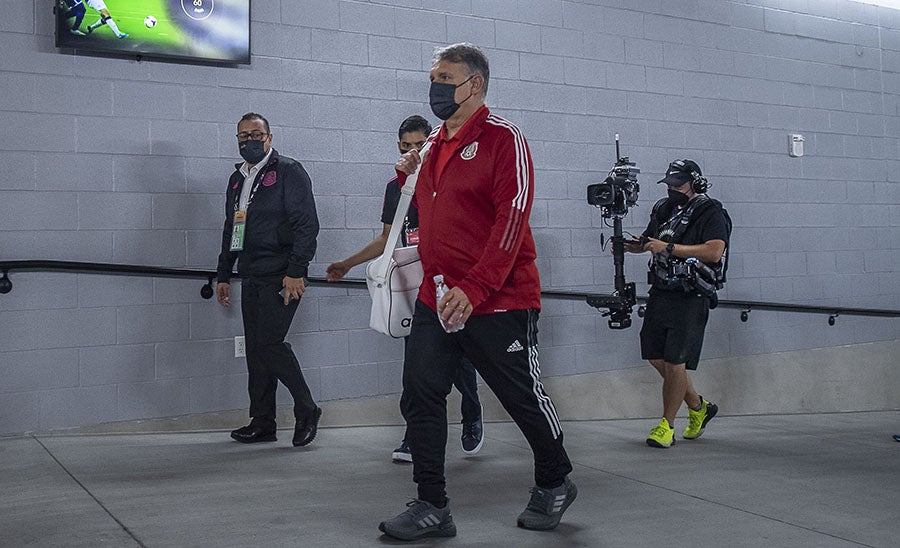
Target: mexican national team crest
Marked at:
469, 152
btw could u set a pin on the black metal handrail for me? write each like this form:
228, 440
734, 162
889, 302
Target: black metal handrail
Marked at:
206, 291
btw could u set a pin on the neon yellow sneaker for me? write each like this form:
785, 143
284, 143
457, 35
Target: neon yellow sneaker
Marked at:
662, 435
697, 420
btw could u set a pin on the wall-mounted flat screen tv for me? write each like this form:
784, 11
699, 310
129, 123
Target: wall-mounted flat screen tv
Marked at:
199, 30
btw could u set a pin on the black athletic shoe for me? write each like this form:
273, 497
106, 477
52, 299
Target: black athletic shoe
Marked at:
546, 506
421, 519
472, 437
402, 453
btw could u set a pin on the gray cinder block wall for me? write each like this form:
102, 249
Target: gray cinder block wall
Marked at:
115, 160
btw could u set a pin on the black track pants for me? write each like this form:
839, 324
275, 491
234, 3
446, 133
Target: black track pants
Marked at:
503, 348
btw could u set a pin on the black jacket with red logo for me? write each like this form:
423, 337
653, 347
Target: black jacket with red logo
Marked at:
282, 224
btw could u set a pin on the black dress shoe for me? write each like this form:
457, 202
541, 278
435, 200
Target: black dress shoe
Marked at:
252, 434
305, 430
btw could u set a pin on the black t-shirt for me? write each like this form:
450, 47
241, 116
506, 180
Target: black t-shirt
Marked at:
705, 225
389, 209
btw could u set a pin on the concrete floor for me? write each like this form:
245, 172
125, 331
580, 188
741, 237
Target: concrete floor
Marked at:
787, 480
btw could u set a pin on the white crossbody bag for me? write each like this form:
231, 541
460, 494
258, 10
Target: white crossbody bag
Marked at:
394, 278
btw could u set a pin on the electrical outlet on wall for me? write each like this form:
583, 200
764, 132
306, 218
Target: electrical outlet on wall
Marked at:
239, 350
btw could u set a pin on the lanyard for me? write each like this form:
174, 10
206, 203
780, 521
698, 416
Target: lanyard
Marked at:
239, 225
237, 200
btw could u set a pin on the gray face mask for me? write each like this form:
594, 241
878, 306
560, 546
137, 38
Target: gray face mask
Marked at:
677, 198
252, 151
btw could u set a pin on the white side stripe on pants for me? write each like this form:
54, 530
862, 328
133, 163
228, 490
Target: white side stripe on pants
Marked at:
534, 368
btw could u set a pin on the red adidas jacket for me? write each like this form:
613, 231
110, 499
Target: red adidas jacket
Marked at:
473, 219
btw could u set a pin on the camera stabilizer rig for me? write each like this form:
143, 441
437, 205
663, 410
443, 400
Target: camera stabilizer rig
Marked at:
618, 192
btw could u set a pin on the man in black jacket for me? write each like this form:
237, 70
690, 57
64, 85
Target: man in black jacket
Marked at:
270, 229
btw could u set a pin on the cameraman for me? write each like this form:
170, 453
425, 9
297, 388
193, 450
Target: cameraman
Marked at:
675, 317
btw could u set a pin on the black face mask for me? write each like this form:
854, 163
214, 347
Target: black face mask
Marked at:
676, 198
443, 99
252, 151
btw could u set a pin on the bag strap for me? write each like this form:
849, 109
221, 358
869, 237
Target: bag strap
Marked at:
698, 206
406, 194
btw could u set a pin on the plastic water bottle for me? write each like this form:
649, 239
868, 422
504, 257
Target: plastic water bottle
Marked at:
441, 289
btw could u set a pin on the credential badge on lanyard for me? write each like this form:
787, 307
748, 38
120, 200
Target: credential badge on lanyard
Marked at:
237, 232
412, 234
240, 219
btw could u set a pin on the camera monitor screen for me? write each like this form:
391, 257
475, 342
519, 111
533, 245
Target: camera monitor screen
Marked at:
212, 30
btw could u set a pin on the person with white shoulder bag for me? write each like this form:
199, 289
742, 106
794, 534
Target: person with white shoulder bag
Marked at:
412, 134
475, 188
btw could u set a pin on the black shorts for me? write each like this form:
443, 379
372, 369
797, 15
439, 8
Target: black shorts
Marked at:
674, 323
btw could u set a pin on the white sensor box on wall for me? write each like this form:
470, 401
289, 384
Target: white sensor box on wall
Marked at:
795, 145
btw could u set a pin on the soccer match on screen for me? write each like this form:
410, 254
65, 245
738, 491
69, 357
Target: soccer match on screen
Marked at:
195, 29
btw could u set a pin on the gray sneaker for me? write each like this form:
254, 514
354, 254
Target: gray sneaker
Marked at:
546, 506
421, 519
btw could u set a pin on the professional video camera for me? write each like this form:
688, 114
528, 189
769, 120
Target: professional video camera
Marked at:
619, 190
613, 197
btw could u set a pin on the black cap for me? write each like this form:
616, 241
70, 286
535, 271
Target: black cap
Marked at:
680, 172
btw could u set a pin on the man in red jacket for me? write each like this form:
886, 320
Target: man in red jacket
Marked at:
474, 194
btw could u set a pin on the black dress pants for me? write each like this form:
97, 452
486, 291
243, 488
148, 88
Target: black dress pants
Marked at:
269, 358
503, 348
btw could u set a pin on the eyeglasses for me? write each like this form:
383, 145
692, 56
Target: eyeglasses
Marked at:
253, 136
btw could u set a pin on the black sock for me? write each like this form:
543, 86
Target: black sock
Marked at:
699, 405
553, 486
